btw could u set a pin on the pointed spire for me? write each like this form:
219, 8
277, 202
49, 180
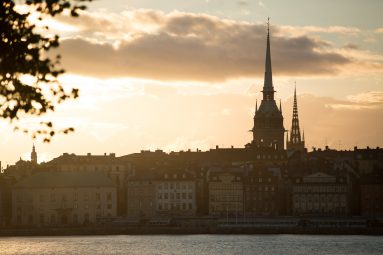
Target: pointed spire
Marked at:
296, 140
268, 83
33, 148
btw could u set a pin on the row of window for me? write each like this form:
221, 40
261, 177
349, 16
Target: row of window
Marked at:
322, 197
176, 185
175, 195
176, 207
321, 188
42, 197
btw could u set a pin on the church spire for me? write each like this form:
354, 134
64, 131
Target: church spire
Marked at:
268, 82
296, 141
33, 155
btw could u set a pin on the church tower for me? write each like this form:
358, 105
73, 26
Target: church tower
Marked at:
296, 142
33, 155
268, 130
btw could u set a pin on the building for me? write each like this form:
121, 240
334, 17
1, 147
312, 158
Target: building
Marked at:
268, 130
371, 195
5, 200
296, 142
225, 191
63, 198
261, 191
321, 194
141, 196
117, 169
176, 193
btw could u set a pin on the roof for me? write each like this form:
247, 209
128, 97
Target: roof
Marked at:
65, 179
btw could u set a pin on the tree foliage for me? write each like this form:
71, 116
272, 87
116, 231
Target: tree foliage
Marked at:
29, 84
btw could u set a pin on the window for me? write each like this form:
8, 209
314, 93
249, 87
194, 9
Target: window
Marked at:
109, 196
98, 197
109, 206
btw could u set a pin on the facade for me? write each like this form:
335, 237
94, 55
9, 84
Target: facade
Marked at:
225, 192
118, 170
261, 188
62, 199
371, 195
321, 194
268, 130
296, 142
176, 194
141, 196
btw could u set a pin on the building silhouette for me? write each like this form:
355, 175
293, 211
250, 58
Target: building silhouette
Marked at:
296, 142
268, 130
34, 155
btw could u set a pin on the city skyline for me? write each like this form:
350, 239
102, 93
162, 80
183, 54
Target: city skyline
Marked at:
124, 108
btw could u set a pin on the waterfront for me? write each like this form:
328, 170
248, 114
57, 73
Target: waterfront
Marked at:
194, 244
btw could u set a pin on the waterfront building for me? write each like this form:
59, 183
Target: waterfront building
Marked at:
62, 199
176, 193
141, 196
321, 194
371, 195
117, 169
261, 191
225, 191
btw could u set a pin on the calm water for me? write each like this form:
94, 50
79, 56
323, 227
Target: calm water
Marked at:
194, 244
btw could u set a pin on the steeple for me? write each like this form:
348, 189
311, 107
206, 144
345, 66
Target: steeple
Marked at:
296, 142
268, 130
268, 82
33, 155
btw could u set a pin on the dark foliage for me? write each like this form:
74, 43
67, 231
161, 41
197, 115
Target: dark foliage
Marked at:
23, 51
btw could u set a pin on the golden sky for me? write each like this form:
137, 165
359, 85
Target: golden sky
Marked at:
174, 75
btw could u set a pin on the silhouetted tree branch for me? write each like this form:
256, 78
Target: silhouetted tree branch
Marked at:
29, 83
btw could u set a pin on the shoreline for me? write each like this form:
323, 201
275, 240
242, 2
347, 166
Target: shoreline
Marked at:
96, 231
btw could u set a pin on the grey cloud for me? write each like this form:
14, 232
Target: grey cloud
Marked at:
200, 47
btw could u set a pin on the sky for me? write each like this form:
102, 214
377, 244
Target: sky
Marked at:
178, 75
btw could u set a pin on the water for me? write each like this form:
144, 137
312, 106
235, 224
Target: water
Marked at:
194, 244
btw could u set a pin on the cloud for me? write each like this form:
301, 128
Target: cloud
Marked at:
379, 30
305, 30
184, 46
371, 97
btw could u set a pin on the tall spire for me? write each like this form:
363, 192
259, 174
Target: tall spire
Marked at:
296, 141
268, 82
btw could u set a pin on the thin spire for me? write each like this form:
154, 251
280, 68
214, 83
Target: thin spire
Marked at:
268, 83
303, 136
